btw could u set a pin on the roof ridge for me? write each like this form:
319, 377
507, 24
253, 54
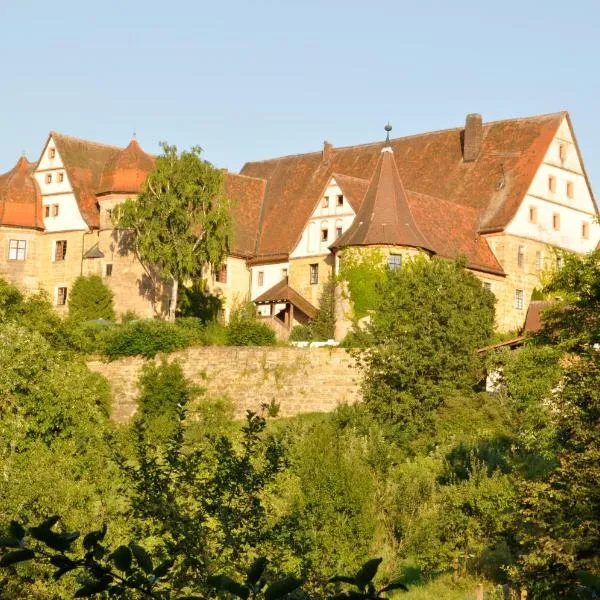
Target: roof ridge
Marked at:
406, 137
79, 139
246, 176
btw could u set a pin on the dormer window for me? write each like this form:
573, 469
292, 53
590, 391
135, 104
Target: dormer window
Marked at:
49, 178
51, 153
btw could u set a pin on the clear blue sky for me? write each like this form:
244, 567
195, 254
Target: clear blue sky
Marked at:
252, 80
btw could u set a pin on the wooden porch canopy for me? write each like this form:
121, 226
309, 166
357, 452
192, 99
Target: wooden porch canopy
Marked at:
282, 293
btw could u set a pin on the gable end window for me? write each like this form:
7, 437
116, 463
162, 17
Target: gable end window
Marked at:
61, 296
570, 189
17, 249
55, 210
324, 234
519, 299
314, 274
585, 231
325, 203
340, 200
552, 183
562, 152
532, 214
61, 177
49, 178
556, 222
51, 152
394, 261
60, 250
47, 211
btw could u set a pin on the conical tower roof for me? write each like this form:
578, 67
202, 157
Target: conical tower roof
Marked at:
384, 217
20, 197
126, 172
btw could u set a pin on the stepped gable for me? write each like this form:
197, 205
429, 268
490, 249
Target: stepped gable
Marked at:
126, 171
20, 197
247, 195
84, 162
385, 217
432, 164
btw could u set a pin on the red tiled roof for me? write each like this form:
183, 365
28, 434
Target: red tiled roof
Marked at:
126, 171
247, 195
384, 216
430, 164
84, 162
353, 188
282, 292
20, 197
534, 321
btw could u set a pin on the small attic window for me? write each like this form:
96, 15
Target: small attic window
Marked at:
532, 214
585, 231
340, 200
325, 202
562, 152
49, 178
570, 189
51, 152
552, 183
61, 177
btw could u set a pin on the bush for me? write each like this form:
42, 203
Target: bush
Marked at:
301, 333
245, 329
145, 338
91, 299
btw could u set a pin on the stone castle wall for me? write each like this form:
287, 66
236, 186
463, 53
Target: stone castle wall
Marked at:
300, 380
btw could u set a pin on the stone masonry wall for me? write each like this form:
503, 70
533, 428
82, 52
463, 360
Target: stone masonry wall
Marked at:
300, 380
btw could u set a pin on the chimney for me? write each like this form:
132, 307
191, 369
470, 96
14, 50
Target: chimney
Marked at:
327, 152
473, 137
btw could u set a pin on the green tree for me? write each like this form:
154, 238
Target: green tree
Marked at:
91, 299
422, 339
180, 223
322, 327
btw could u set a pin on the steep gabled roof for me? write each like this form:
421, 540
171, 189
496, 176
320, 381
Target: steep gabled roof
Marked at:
353, 188
84, 162
429, 163
20, 197
384, 217
282, 292
126, 171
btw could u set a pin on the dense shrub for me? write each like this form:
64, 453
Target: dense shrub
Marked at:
196, 301
145, 338
300, 333
245, 329
90, 299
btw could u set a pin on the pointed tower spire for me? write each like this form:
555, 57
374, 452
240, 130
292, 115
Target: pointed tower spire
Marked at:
384, 217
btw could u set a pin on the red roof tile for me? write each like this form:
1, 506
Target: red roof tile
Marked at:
384, 216
20, 197
126, 171
430, 164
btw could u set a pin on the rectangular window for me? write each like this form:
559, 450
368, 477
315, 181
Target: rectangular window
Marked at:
532, 214
552, 183
47, 211
60, 250
324, 235
261, 278
521, 256
338, 231
487, 286
314, 274
284, 273
55, 210
556, 222
51, 152
17, 249
585, 231
519, 299
108, 270
539, 260
61, 296
109, 213
570, 189
61, 177
340, 200
221, 274
49, 178
394, 261
562, 152
325, 203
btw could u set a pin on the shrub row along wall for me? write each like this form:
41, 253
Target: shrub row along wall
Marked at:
300, 380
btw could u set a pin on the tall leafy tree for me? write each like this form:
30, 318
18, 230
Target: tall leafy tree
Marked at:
180, 224
91, 299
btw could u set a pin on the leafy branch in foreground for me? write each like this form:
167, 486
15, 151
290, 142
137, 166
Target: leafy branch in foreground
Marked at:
363, 580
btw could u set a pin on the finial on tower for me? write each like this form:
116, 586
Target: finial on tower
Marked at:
134, 134
387, 128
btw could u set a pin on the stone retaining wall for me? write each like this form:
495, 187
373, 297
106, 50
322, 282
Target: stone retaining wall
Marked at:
300, 380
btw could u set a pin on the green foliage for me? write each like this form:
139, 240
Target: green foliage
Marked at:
422, 339
300, 333
322, 327
365, 273
145, 338
90, 299
180, 223
196, 301
128, 316
245, 329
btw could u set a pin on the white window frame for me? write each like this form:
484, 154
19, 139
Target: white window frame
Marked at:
56, 295
519, 299
17, 250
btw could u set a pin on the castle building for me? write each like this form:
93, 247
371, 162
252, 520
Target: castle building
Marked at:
504, 195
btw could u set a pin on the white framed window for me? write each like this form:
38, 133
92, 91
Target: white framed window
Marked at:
394, 261
519, 299
314, 274
60, 250
261, 278
521, 256
61, 296
539, 260
17, 249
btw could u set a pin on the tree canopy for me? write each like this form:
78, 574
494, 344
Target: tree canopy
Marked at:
180, 223
91, 299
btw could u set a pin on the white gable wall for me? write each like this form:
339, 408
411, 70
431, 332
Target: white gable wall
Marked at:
328, 217
572, 212
59, 193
